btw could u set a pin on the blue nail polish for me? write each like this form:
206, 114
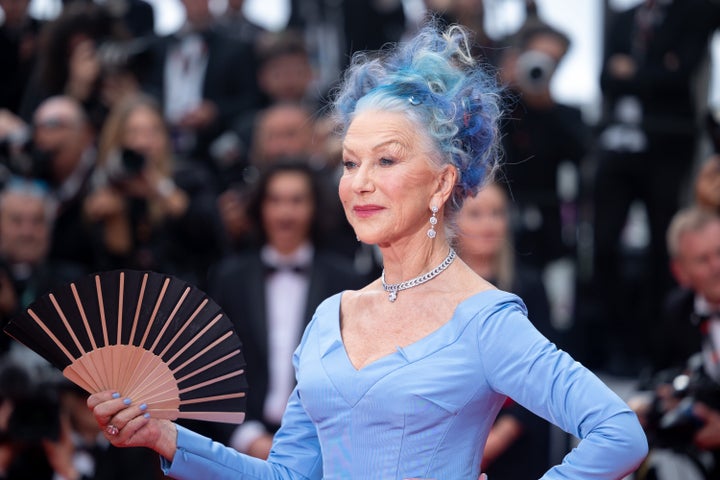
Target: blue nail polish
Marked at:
127, 401
147, 415
143, 407
116, 395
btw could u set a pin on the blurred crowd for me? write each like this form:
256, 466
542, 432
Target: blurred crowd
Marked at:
210, 154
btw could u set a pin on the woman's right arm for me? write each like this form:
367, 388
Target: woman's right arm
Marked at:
188, 455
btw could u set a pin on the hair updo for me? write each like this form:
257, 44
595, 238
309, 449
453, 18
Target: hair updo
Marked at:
434, 80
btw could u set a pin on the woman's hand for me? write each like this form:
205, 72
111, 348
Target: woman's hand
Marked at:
127, 424
104, 203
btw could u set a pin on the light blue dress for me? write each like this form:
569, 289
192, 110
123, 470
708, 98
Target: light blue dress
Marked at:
425, 410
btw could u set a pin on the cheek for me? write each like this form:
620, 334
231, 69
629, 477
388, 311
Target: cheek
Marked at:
344, 189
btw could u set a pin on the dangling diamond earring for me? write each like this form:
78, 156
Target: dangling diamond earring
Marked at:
431, 233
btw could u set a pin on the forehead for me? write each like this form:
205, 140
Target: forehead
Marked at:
57, 109
709, 233
373, 128
489, 194
17, 202
288, 182
283, 116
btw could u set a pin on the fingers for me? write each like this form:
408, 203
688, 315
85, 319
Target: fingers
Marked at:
123, 426
128, 430
123, 417
113, 412
97, 398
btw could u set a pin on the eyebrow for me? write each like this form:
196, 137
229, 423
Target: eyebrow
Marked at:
379, 146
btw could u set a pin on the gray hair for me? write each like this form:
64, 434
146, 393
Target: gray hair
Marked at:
690, 219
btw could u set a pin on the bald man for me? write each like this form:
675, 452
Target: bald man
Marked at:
65, 157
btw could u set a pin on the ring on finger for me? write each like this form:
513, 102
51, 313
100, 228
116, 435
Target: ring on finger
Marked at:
112, 430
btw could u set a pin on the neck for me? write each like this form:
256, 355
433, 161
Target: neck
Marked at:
287, 248
408, 261
484, 265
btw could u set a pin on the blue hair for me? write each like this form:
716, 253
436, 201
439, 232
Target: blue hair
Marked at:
434, 80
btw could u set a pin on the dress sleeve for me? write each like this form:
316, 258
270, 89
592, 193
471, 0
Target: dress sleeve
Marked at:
522, 364
295, 453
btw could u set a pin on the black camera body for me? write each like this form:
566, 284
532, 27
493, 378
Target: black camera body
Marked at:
20, 156
124, 164
676, 428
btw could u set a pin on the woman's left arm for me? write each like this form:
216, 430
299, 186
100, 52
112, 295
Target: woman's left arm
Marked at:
522, 364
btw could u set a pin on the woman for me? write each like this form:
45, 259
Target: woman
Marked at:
403, 378
271, 290
484, 242
518, 445
70, 63
149, 211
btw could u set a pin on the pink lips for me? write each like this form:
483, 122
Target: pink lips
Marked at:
365, 211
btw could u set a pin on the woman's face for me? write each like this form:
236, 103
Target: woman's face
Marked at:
145, 133
287, 210
388, 184
483, 223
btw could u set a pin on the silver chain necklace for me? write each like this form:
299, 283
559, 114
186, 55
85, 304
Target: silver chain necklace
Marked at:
394, 288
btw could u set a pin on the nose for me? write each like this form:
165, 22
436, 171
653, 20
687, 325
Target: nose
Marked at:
362, 179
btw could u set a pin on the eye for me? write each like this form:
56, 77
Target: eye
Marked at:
349, 164
384, 161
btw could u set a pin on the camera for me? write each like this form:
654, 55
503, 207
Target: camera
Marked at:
534, 70
20, 156
676, 427
124, 164
134, 56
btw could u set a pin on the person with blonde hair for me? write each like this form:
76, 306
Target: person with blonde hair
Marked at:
149, 209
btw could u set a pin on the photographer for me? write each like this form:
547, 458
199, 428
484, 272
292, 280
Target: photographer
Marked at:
69, 62
540, 137
684, 413
147, 210
57, 148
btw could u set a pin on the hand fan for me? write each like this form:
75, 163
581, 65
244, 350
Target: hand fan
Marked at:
151, 337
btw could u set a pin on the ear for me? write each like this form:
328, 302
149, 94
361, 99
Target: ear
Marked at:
678, 272
446, 181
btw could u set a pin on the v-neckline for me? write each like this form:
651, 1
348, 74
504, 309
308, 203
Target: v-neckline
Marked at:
356, 382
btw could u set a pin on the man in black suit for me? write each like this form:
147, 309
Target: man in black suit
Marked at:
270, 293
203, 78
690, 327
694, 244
